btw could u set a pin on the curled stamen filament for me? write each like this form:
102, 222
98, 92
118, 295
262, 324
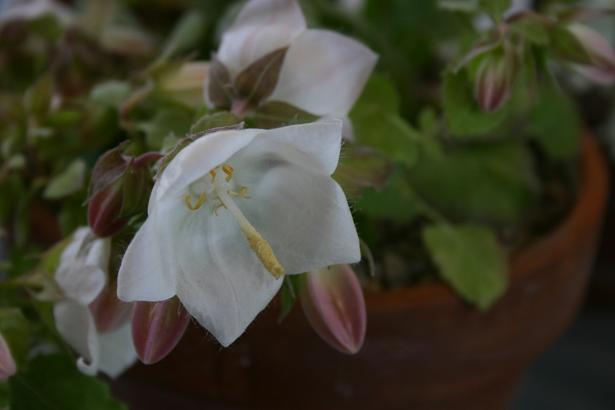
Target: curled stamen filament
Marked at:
258, 244
202, 198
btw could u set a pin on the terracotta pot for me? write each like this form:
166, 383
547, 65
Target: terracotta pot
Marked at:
425, 348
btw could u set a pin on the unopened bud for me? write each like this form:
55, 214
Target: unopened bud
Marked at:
494, 80
157, 327
333, 303
186, 83
109, 312
601, 65
7, 363
119, 188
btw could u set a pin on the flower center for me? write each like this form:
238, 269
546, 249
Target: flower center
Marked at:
220, 188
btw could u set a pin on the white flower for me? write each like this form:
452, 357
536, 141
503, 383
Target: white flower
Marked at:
82, 276
323, 72
232, 213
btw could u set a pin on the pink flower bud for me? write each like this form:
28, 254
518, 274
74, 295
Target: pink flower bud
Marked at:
119, 188
109, 312
493, 83
103, 210
333, 303
157, 327
602, 56
7, 363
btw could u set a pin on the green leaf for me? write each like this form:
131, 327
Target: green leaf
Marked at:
53, 382
554, 122
275, 114
567, 47
463, 115
376, 122
533, 30
491, 182
185, 35
495, 8
288, 296
209, 121
395, 201
361, 167
468, 6
171, 120
67, 182
470, 260
16, 330
112, 93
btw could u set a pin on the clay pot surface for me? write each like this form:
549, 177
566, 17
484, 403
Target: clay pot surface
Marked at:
425, 348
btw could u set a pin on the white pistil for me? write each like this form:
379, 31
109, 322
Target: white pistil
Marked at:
258, 244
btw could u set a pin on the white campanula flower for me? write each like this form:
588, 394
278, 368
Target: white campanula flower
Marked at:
82, 277
231, 214
318, 71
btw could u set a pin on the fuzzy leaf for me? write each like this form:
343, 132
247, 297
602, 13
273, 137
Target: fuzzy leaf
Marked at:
554, 122
216, 120
470, 260
111, 93
53, 382
495, 7
185, 35
568, 47
376, 122
487, 182
463, 115
274, 114
395, 201
67, 182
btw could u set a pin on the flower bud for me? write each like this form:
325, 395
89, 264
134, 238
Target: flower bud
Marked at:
157, 327
186, 83
494, 79
119, 188
7, 363
109, 312
601, 66
333, 303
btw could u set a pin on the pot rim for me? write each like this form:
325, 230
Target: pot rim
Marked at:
588, 209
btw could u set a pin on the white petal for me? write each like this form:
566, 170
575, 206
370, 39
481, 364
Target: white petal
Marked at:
197, 159
222, 283
76, 325
324, 73
261, 27
314, 146
81, 284
147, 271
82, 272
117, 352
304, 216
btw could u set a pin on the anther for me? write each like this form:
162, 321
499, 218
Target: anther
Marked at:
228, 170
202, 198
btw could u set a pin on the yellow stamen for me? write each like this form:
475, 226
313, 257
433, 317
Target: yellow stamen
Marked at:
258, 244
263, 250
228, 170
241, 193
202, 198
212, 174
